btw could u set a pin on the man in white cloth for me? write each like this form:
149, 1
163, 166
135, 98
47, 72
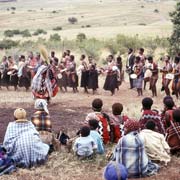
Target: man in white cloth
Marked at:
156, 146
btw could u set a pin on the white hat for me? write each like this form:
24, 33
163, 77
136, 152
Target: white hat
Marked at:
41, 104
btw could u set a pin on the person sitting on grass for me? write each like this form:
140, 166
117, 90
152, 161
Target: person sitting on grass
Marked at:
130, 152
115, 171
84, 146
150, 115
22, 142
102, 118
173, 133
168, 112
42, 122
117, 121
156, 146
94, 126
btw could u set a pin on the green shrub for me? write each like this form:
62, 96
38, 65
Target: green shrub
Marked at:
39, 31
58, 28
26, 33
7, 44
142, 24
55, 37
80, 37
13, 8
88, 26
72, 20
156, 11
8, 33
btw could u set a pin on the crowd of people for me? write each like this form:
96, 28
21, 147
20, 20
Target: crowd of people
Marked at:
45, 78
141, 146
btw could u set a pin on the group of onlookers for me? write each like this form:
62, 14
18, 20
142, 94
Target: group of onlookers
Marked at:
140, 145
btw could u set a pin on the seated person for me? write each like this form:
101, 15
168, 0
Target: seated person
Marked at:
150, 115
23, 143
94, 126
43, 124
7, 165
117, 121
84, 145
173, 133
156, 146
168, 111
41, 118
130, 152
115, 171
102, 118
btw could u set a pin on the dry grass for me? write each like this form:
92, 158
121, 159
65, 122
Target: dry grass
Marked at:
65, 166
107, 18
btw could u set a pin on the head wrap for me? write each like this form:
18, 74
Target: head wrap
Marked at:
20, 114
41, 104
131, 125
115, 171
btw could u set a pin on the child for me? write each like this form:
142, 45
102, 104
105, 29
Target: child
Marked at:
117, 121
93, 124
84, 146
102, 118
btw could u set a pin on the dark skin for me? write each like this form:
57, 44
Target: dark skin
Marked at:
153, 81
166, 81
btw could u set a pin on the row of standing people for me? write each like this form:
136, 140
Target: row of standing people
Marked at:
144, 69
65, 72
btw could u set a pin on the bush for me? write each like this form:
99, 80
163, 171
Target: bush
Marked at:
156, 11
55, 37
8, 33
88, 26
54, 12
7, 44
58, 28
72, 20
13, 8
39, 31
80, 37
26, 33
142, 24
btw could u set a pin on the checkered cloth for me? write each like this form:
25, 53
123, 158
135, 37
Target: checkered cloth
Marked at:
6, 163
39, 83
24, 145
41, 121
130, 152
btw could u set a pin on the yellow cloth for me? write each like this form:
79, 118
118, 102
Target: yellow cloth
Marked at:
156, 146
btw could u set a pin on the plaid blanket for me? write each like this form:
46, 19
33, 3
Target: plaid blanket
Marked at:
24, 145
6, 163
39, 83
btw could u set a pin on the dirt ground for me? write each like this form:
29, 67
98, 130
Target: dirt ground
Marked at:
68, 111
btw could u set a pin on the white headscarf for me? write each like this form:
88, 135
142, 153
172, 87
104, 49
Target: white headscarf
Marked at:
41, 104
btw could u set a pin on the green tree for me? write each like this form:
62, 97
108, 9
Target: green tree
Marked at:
174, 39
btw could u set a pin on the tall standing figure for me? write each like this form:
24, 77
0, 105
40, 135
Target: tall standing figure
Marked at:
111, 82
84, 73
138, 70
129, 65
165, 79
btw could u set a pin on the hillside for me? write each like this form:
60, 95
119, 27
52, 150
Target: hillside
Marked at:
104, 18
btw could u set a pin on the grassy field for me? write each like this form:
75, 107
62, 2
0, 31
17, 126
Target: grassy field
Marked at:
68, 111
106, 18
